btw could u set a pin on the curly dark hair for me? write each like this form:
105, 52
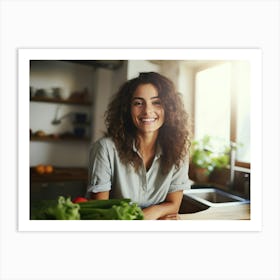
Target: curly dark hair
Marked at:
174, 135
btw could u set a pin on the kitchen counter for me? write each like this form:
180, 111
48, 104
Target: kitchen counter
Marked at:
60, 174
236, 212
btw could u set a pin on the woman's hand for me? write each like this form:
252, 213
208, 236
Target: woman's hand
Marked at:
100, 195
167, 210
174, 216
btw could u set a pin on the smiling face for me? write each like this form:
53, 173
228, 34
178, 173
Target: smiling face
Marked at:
146, 109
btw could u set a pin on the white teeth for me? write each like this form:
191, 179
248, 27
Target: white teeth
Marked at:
148, 120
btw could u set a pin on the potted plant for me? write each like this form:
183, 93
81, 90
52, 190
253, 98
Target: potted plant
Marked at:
207, 154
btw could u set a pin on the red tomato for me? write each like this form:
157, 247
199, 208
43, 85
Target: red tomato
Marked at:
79, 199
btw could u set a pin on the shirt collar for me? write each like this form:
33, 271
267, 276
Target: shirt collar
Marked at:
158, 149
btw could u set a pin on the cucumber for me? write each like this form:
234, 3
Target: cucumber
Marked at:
103, 204
98, 213
110, 209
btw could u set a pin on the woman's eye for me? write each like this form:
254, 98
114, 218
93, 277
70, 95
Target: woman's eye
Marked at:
137, 103
157, 103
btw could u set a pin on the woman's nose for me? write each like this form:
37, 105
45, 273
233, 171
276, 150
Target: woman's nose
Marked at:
148, 108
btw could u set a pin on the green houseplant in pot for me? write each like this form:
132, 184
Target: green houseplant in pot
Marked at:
207, 154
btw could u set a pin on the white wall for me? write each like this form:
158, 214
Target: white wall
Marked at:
186, 86
103, 93
136, 66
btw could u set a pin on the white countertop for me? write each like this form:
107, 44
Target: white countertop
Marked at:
236, 212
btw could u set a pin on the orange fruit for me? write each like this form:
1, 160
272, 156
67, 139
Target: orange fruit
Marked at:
40, 169
48, 169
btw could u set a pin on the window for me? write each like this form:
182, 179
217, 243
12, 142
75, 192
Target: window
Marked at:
222, 105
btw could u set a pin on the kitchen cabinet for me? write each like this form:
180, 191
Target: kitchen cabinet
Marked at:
61, 182
51, 190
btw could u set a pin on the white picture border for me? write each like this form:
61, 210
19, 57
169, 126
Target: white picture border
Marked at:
254, 56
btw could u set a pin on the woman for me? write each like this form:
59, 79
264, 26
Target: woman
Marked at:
144, 154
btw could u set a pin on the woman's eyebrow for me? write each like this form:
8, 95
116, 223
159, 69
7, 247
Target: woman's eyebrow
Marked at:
153, 97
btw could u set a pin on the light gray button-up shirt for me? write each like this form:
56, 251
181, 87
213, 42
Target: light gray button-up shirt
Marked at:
108, 173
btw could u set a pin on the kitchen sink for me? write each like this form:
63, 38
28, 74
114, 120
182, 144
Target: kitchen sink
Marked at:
199, 199
189, 205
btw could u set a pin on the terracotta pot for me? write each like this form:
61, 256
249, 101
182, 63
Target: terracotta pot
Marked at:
201, 175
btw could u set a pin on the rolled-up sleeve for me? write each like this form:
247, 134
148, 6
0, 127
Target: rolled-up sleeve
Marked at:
99, 169
180, 178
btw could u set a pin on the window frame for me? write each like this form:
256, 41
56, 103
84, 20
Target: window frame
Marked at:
233, 107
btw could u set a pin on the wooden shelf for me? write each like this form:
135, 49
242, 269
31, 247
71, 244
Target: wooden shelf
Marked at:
60, 174
61, 101
58, 139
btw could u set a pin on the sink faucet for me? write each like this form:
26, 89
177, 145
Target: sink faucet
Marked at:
232, 164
